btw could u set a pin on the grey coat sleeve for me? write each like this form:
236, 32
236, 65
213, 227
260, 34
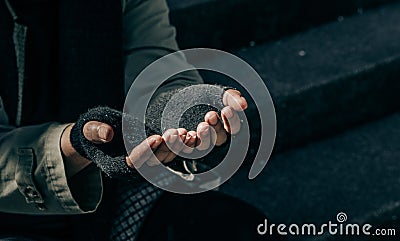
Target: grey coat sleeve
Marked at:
148, 36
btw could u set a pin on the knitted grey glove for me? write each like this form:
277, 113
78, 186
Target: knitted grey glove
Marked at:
110, 157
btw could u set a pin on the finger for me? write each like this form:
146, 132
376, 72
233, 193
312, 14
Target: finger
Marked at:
203, 136
181, 131
180, 142
234, 99
167, 155
213, 120
163, 151
98, 132
170, 135
190, 142
153, 161
231, 120
143, 151
177, 146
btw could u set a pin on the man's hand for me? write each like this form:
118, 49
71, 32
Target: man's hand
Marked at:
202, 138
99, 133
93, 131
158, 145
228, 122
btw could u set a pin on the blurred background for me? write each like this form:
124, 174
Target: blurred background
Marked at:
333, 71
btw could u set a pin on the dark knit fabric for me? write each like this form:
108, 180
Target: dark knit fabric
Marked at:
132, 207
110, 157
200, 98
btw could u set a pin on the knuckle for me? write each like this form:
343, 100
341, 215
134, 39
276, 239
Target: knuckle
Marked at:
170, 132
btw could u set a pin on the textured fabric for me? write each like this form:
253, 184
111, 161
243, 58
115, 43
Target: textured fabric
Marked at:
19, 42
8, 63
184, 107
35, 183
134, 203
109, 157
40, 40
209, 216
16, 239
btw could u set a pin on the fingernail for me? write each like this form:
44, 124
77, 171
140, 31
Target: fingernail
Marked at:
186, 140
153, 143
243, 104
212, 120
103, 133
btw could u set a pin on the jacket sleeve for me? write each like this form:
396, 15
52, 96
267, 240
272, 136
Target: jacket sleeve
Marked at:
32, 175
148, 36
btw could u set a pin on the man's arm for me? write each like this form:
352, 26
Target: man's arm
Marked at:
37, 163
148, 36
33, 174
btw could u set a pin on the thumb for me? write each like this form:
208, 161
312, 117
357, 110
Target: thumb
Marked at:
98, 132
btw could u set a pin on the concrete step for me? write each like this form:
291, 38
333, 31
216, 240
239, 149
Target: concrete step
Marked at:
330, 78
234, 23
356, 172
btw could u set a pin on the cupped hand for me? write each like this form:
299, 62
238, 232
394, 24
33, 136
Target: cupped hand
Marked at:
165, 148
228, 122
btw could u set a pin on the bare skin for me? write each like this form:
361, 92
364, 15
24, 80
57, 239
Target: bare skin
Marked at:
200, 139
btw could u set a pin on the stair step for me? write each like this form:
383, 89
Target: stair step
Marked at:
356, 172
330, 78
234, 23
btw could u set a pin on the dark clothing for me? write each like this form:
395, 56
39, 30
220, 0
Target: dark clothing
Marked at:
41, 44
71, 48
92, 67
58, 59
210, 216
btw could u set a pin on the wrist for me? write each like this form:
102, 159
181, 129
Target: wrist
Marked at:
73, 161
